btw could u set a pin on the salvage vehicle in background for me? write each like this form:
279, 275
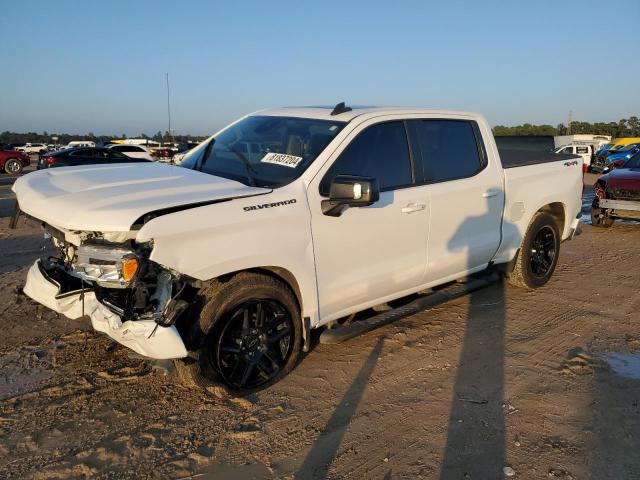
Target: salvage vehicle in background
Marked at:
604, 163
13, 161
603, 150
287, 220
84, 156
617, 194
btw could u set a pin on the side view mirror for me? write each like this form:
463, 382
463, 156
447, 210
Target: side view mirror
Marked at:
350, 191
618, 163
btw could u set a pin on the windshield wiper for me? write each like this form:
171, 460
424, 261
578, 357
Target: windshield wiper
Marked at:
251, 172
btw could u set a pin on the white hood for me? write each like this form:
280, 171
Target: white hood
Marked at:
111, 198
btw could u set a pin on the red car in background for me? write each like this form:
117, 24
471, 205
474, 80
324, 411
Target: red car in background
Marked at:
617, 194
12, 161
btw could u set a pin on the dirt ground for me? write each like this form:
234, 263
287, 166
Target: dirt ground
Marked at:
542, 382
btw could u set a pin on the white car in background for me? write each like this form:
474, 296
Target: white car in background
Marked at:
132, 151
31, 148
79, 144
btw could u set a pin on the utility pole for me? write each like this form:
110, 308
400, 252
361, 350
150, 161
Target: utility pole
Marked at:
570, 121
169, 109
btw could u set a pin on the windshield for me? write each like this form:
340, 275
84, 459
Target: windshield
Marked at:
265, 151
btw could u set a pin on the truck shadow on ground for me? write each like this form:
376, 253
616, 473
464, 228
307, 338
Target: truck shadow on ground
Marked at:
476, 444
317, 462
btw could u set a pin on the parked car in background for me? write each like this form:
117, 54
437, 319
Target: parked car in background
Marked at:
132, 151
619, 143
163, 154
583, 151
33, 148
145, 142
80, 143
617, 194
182, 150
84, 156
606, 162
13, 161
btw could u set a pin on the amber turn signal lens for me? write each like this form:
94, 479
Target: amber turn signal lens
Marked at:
129, 268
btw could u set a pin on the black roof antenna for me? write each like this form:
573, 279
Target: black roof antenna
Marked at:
340, 108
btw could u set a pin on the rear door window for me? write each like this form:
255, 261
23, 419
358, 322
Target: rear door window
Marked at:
380, 151
449, 149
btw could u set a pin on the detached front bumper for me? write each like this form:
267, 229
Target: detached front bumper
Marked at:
145, 337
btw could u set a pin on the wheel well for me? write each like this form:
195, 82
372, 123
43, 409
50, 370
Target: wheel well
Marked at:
280, 273
556, 210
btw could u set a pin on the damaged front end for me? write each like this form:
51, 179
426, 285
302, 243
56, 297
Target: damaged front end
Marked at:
110, 278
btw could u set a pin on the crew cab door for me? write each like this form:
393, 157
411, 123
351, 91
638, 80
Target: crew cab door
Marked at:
466, 197
369, 254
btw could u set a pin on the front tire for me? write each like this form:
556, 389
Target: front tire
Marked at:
13, 166
253, 335
538, 255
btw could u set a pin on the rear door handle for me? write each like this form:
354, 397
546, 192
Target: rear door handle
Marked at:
413, 207
490, 193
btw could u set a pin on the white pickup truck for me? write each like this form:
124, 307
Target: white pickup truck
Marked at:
286, 220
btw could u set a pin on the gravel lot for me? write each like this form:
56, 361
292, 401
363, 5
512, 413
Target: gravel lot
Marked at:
542, 382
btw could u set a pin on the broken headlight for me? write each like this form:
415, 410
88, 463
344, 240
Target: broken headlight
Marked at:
112, 266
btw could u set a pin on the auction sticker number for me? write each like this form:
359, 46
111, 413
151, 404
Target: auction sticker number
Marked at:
282, 159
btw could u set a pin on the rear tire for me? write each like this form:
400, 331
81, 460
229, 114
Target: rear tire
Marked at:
253, 335
13, 166
539, 252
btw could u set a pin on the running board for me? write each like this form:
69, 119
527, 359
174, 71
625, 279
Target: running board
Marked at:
342, 333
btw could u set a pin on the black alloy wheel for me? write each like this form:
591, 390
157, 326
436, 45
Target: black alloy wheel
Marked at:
254, 345
543, 252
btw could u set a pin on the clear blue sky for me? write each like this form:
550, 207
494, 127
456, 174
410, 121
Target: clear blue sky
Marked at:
99, 66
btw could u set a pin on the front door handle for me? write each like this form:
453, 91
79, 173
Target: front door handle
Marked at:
413, 207
490, 193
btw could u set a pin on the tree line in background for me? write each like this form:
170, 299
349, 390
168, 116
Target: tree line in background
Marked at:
14, 138
627, 127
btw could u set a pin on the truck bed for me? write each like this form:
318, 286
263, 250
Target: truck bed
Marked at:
511, 158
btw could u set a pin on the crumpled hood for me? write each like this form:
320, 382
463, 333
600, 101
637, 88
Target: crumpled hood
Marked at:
110, 198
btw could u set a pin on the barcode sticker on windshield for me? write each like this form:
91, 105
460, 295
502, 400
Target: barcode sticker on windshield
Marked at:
283, 159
